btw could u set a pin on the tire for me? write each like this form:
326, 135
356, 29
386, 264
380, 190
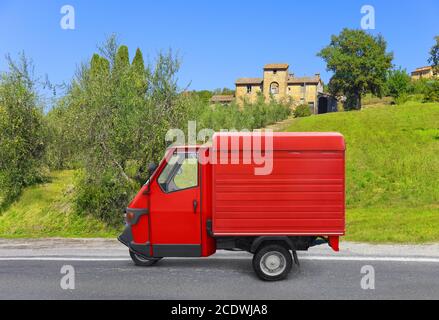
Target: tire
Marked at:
142, 261
272, 262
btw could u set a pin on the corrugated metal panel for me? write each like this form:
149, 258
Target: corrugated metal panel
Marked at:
304, 195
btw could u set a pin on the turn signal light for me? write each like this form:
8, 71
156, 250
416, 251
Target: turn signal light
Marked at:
129, 217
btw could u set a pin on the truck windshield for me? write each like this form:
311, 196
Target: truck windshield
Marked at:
180, 173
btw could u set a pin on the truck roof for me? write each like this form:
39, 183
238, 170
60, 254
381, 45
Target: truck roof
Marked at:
300, 141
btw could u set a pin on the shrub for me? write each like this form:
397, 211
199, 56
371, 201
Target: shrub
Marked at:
431, 93
22, 139
302, 111
398, 83
402, 98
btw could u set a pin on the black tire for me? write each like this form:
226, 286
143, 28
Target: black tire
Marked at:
142, 261
272, 262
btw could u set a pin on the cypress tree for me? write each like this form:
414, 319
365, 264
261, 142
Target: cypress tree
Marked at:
104, 65
99, 67
94, 66
138, 72
122, 59
138, 62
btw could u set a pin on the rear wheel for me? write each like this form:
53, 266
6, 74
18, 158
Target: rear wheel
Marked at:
142, 261
272, 262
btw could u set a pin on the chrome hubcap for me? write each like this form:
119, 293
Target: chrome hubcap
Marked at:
273, 263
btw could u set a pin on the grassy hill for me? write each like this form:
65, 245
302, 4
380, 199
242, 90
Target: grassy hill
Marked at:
392, 170
45, 211
392, 181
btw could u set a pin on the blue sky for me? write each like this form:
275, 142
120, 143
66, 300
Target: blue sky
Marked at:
219, 41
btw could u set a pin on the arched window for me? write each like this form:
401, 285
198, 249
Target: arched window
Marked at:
274, 88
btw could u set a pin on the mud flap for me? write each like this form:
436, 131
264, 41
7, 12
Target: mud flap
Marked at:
334, 243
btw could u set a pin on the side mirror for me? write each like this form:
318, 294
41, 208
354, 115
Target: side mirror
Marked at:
152, 168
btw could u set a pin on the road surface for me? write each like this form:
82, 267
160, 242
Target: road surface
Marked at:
103, 270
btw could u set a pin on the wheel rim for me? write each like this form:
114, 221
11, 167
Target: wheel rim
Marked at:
273, 263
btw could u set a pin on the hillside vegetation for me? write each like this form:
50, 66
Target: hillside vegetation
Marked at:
392, 170
45, 210
392, 181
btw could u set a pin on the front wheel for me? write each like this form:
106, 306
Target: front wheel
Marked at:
272, 262
142, 261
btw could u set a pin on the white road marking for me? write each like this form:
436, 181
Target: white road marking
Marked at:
379, 259
312, 258
62, 259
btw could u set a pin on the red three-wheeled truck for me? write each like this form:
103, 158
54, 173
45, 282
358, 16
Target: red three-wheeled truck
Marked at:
201, 199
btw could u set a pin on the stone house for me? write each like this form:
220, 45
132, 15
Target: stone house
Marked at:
222, 99
278, 83
423, 73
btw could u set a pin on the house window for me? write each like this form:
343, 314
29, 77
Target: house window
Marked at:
274, 71
302, 89
249, 89
274, 88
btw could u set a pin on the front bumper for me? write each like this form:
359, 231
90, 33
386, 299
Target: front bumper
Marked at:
126, 238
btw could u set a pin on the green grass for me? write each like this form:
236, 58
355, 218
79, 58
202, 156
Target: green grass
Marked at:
45, 211
392, 170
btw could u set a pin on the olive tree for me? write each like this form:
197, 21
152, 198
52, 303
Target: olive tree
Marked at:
22, 131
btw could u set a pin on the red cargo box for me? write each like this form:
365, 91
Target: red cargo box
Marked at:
304, 194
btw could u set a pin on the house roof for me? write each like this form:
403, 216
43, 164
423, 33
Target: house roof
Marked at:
249, 81
297, 80
279, 66
222, 98
422, 69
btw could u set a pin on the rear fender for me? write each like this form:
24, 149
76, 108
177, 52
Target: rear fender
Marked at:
258, 241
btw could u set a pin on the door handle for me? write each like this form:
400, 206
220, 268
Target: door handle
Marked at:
195, 204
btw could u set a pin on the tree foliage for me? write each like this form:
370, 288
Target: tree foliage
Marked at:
398, 83
302, 111
114, 118
360, 64
116, 114
434, 56
23, 134
431, 92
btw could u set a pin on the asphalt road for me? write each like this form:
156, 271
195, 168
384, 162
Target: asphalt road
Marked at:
36, 274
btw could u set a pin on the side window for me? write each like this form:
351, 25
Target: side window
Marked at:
180, 173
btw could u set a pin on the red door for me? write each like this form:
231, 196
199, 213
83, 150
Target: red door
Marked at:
175, 208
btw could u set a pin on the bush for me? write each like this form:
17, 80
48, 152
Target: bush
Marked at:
402, 98
103, 196
431, 93
248, 116
302, 111
22, 139
398, 83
